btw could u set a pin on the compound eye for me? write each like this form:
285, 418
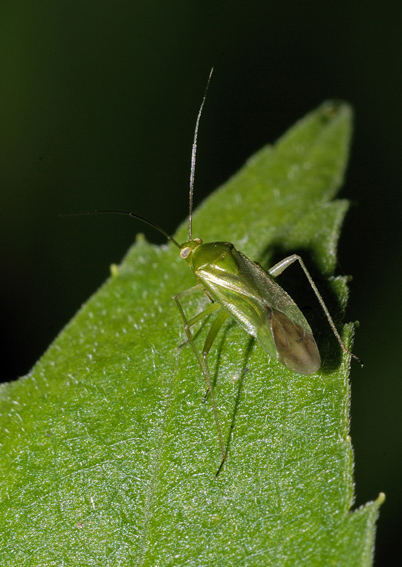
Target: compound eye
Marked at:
184, 252
198, 240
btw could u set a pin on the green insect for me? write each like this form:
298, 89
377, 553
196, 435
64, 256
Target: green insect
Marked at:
239, 288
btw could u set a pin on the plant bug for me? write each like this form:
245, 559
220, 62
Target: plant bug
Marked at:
239, 288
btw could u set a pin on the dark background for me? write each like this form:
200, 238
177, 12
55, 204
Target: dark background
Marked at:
97, 109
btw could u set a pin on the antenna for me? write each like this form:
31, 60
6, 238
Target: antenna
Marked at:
193, 159
143, 219
192, 175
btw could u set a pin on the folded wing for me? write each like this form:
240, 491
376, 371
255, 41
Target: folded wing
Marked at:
295, 346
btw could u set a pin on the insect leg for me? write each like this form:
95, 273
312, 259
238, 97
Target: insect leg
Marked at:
213, 331
202, 359
285, 263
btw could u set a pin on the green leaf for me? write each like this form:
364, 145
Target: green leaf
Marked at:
108, 455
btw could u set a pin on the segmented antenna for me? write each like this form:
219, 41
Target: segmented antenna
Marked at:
143, 219
193, 158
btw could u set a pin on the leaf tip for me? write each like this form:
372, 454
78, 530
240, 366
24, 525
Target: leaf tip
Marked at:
114, 270
380, 499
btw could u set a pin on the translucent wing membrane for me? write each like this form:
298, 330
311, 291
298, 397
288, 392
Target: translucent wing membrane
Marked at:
295, 346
